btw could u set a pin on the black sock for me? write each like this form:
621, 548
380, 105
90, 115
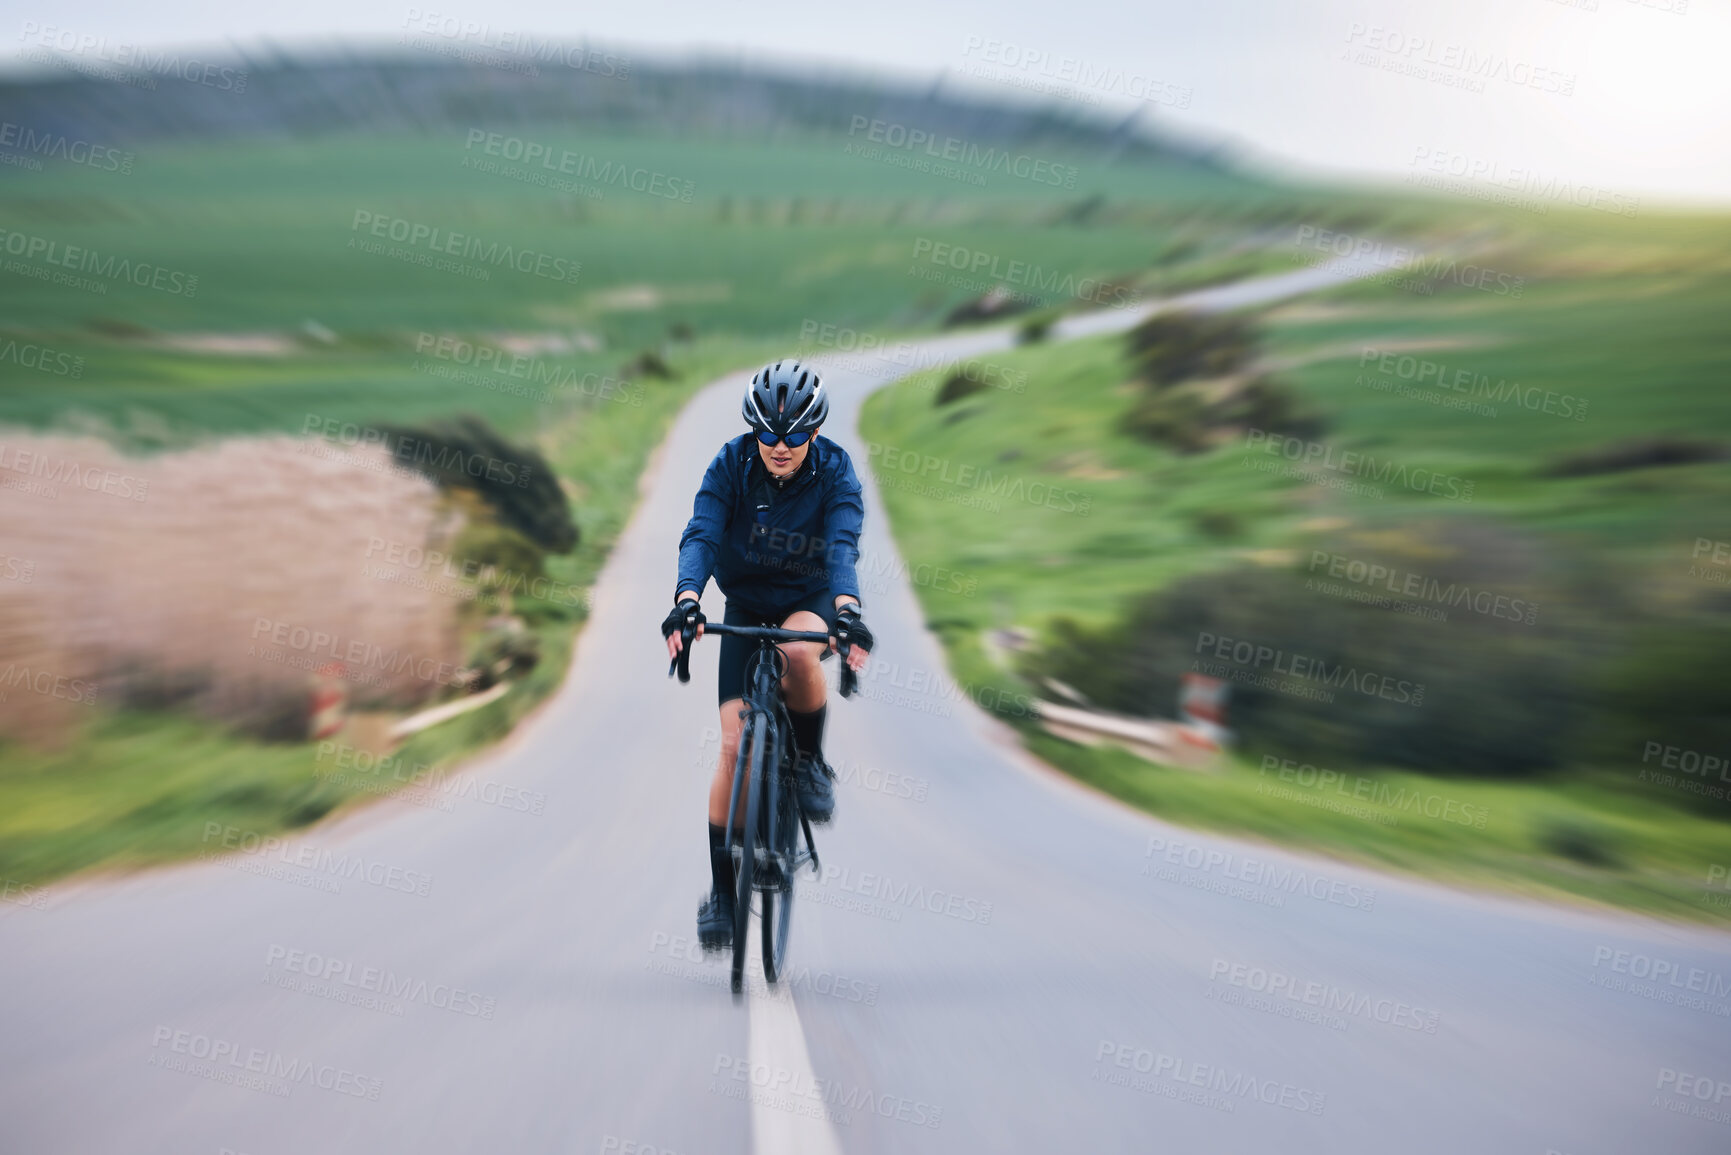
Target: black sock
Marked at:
808, 729
720, 861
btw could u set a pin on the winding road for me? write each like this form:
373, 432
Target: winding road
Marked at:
996, 960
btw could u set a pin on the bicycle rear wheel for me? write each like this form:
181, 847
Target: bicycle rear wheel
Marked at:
777, 914
750, 764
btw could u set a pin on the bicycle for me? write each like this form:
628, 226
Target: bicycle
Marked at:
765, 848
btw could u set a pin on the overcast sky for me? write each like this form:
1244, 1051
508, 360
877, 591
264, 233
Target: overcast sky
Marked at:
1629, 96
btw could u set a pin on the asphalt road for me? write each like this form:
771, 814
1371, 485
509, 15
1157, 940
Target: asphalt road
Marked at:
996, 960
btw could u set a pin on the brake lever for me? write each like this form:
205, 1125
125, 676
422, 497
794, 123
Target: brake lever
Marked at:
849, 679
682, 660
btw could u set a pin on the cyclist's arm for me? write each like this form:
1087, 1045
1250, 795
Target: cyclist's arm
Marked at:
710, 513
843, 516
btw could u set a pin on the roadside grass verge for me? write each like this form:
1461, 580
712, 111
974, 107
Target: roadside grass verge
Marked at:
1621, 849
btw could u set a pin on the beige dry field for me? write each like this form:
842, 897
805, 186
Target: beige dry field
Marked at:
230, 578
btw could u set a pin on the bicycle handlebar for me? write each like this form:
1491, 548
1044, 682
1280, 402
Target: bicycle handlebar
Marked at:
772, 633
681, 663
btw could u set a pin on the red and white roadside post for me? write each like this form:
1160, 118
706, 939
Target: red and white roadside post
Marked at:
1202, 710
330, 704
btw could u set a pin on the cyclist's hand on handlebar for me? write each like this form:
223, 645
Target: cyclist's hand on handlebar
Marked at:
684, 613
849, 628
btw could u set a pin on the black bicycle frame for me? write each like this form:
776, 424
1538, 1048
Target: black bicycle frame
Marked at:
764, 674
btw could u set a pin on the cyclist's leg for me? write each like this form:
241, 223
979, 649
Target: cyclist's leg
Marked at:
806, 710
729, 692
804, 684
715, 918
721, 786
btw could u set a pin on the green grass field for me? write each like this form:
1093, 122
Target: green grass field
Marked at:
1624, 318
773, 236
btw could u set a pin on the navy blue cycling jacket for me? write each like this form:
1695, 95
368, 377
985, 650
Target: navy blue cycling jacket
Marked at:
768, 546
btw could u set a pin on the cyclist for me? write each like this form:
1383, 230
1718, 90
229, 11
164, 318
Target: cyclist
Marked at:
776, 522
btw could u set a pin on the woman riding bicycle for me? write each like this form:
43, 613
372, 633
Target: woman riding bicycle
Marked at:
776, 522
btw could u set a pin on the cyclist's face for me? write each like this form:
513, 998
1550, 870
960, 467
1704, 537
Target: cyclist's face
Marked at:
780, 460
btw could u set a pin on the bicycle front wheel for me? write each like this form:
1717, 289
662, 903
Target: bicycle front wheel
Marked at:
777, 913
752, 757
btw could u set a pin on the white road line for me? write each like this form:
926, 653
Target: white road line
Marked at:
777, 1045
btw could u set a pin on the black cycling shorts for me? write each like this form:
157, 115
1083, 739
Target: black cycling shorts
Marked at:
736, 652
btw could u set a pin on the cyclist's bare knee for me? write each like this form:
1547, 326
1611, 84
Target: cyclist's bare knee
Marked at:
730, 728
803, 657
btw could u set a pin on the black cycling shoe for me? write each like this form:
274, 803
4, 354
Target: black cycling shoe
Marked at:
816, 794
715, 922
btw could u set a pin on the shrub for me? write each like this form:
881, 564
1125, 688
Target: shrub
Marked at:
956, 388
1198, 387
1667, 685
1221, 524
1583, 842
1637, 453
505, 650
1171, 347
514, 479
1037, 328
1198, 415
995, 303
649, 363
1484, 695
501, 554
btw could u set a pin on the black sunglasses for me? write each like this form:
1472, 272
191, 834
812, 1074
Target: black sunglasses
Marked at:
794, 440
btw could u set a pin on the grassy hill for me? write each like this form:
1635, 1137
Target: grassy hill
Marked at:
1552, 403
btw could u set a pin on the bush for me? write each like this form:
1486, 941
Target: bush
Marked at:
1037, 328
1637, 453
505, 650
1668, 686
1583, 842
515, 480
996, 303
1483, 695
1198, 388
1221, 524
1171, 347
1198, 415
957, 387
502, 556
649, 363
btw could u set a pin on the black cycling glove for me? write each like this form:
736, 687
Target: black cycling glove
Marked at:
849, 628
684, 613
